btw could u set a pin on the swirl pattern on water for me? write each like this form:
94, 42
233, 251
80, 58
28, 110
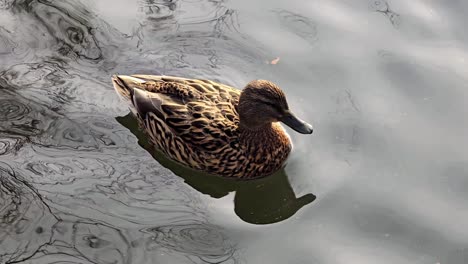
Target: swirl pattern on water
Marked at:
25, 221
10, 145
5, 146
21, 116
35, 75
79, 189
158, 11
88, 192
300, 25
100, 243
196, 240
80, 131
53, 172
6, 44
382, 6
205, 40
5, 4
67, 22
12, 110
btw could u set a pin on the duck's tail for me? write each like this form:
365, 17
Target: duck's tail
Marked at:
131, 90
124, 86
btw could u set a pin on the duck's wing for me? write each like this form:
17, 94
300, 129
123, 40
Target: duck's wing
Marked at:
176, 87
201, 113
214, 91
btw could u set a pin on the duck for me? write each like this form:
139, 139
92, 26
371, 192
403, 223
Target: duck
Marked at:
213, 127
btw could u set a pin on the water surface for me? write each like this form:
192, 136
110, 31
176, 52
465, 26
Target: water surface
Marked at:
383, 179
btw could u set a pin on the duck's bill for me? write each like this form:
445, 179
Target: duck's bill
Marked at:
297, 124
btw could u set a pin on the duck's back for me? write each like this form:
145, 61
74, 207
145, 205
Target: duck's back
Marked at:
189, 88
193, 121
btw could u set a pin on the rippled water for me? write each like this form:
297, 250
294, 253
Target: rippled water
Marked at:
384, 179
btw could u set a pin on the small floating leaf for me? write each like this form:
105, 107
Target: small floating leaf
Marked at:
275, 61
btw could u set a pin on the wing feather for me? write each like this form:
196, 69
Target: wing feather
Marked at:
201, 113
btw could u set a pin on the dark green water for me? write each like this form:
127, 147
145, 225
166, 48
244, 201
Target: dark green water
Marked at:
383, 179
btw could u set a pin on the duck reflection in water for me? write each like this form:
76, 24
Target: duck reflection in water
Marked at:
259, 201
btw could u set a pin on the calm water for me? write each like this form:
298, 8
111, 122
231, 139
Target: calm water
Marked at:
383, 179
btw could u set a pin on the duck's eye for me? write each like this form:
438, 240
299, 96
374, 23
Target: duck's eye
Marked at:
272, 105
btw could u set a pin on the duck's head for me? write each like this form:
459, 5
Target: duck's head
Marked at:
262, 102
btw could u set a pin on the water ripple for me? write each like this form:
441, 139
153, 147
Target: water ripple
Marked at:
12, 110
88, 193
82, 131
6, 4
381, 6
22, 116
158, 11
8, 145
68, 23
100, 243
48, 170
214, 20
81, 241
25, 221
298, 24
6, 44
195, 240
35, 75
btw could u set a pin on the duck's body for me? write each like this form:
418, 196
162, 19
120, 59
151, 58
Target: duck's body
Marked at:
197, 123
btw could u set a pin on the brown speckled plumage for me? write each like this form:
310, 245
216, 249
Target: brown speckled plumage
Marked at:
197, 123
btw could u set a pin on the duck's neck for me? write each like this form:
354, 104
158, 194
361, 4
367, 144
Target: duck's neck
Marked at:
255, 129
268, 137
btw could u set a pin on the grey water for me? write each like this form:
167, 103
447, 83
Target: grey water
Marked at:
383, 179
